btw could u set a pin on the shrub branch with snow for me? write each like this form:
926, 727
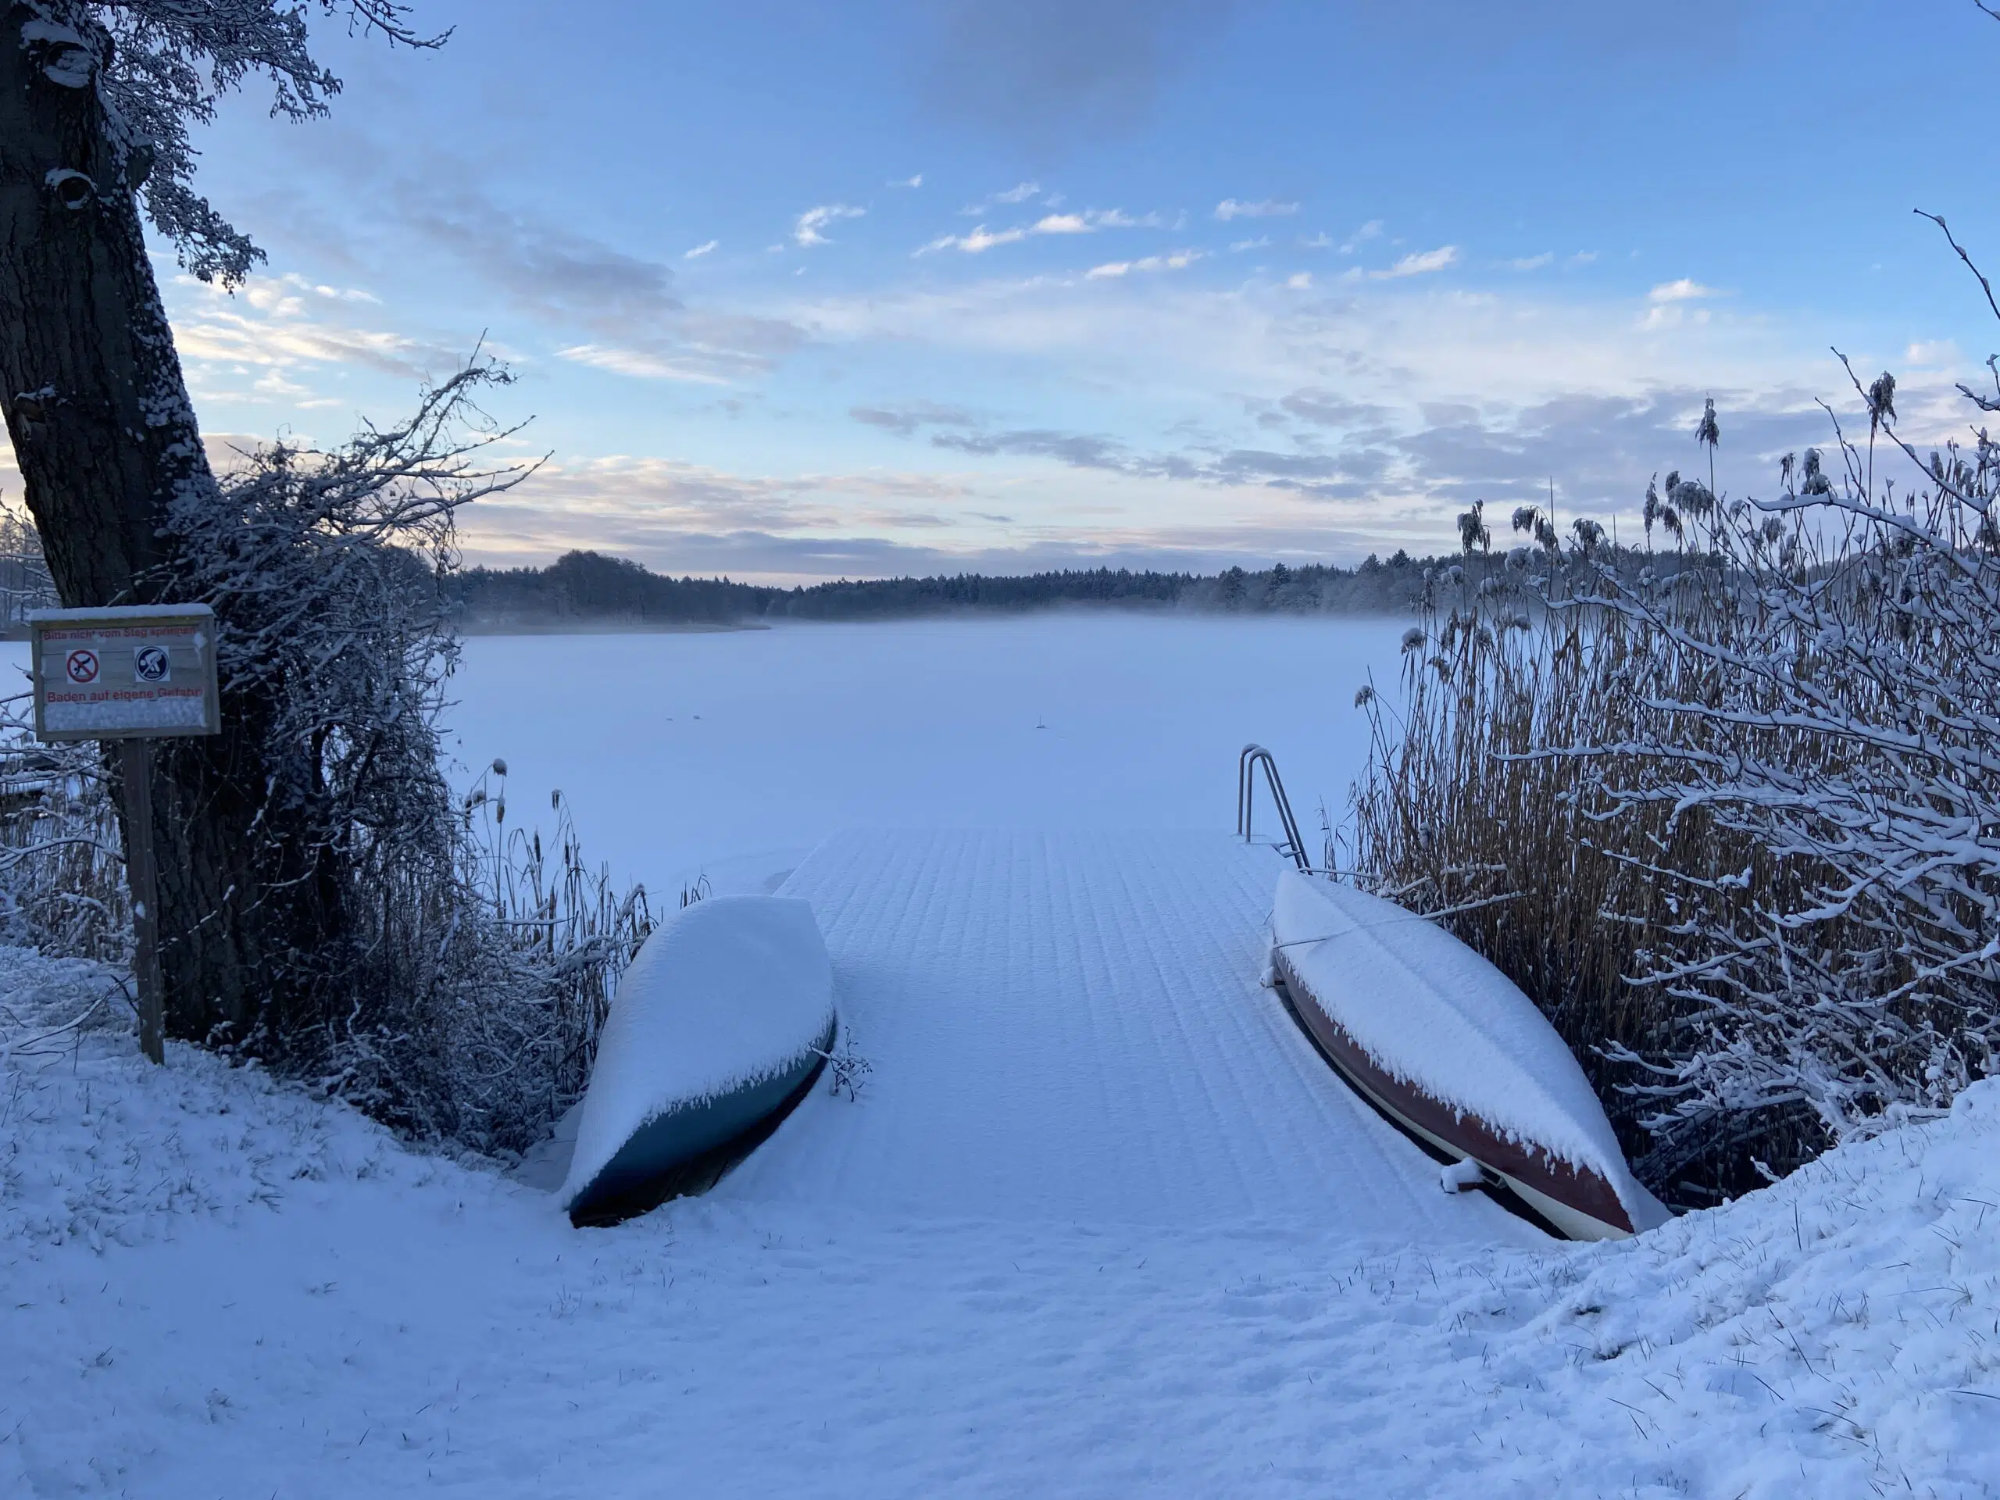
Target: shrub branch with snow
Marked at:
1744, 794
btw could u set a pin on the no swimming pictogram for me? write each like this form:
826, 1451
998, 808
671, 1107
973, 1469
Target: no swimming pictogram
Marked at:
81, 666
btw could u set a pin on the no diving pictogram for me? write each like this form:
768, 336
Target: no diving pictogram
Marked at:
82, 666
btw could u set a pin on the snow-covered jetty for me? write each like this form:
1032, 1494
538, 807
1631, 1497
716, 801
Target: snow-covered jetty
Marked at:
1069, 1027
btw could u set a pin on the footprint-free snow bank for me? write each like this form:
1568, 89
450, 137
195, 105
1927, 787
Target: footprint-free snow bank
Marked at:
1447, 1045
720, 1025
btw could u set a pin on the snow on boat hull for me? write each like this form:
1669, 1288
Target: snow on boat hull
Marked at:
719, 1026
1580, 1203
687, 1150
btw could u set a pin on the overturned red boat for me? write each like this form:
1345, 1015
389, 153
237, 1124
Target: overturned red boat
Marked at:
1448, 1047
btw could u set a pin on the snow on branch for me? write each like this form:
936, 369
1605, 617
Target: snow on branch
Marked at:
163, 65
1748, 785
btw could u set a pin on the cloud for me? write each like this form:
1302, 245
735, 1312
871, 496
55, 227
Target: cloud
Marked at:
623, 306
1372, 230
1089, 221
1300, 281
1533, 262
271, 327
977, 242
1669, 301
906, 419
1231, 208
956, 431
331, 293
1397, 400
1600, 449
807, 231
1323, 408
1684, 290
1078, 450
1045, 74
1020, 192
915, 180
638, 362
1258, 243
704, 248
1417, 263
1178, 260
548, 268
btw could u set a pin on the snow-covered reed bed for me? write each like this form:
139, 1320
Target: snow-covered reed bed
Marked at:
1730, 811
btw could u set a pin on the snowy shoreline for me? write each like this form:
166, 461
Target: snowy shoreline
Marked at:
215, 1284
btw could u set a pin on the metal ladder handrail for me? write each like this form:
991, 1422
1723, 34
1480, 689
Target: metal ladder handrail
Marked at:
1246, 794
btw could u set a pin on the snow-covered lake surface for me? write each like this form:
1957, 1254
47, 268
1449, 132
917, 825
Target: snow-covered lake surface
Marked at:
733, 754
1171, 1258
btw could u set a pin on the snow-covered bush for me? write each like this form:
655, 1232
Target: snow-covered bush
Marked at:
474, 965
1735, 806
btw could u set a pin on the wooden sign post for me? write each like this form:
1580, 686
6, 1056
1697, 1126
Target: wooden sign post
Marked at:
132, 674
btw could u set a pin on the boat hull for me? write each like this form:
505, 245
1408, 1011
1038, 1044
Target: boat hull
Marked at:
1577, 1202
689, 1149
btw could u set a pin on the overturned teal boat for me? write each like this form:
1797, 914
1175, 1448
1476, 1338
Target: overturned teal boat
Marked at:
719, 1028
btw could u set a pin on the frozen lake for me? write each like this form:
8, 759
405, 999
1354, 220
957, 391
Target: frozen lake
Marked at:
732, 754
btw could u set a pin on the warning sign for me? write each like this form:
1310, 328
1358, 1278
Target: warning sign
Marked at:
124, 673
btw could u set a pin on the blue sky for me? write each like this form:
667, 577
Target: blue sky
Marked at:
799, 291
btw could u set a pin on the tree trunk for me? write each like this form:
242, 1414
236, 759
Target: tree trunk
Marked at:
106, 440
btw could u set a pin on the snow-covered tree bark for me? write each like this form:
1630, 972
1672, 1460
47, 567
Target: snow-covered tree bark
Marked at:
95, 99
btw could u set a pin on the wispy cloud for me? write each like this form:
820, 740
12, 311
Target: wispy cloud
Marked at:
914, 180
1089, 221
638, 362
809, 230
1267, 208
1257, 244
331, 293
1300, 282
977, 242
1178, 260
1685, 290
1021, 192
706, 247
1372, 230
906, 418
1533, 262
1416, 263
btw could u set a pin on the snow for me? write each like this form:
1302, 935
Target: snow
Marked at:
1068, 1028
734, 754
215, 1286
211, 1284
108, 615
1439, 1017
725, 993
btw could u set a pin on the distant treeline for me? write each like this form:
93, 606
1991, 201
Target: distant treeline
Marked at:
589, 588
